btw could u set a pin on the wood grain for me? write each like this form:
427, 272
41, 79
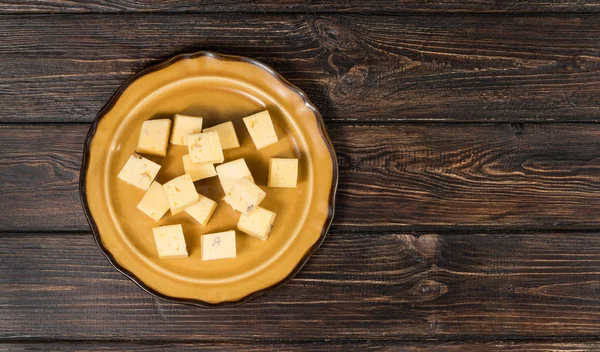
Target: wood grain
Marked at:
342, 346
375, 286
354, 67
407, 176
39, 177
286, 6
465, 221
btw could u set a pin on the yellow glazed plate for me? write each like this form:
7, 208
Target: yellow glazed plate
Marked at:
219, 88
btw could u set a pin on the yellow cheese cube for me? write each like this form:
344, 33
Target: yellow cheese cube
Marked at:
198, 171
185, 125
218, 245
205, 148
154, 137
258, 223
202, 210
245, 196
260, 127
139, 171
181, 193
231, 172
227, 136
170, 241
154, 203
283, 172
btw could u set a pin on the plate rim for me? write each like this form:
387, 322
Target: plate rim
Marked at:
110, 104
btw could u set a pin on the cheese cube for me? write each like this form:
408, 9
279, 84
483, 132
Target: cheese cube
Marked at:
283, 172
185, 125
198, 171
154, 137
154, 203
231, 172
202, 210
260, 127
258, 223
218, 245
170, 242
139, 171
227, 136
245, 196
181, 193
205, 148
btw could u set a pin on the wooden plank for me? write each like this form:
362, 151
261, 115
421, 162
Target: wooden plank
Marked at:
382, 346
408, 176
355, 68
39, 177
350, 6
375, 286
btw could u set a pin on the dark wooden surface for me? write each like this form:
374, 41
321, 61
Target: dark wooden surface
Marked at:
356, 68
468, 214
360, 286
345, 346
286, 6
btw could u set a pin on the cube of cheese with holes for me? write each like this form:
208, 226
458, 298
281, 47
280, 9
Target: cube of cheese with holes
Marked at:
245, 196
218, 245
205, 148
170, 242
154, 137
231, 172
260, 127
198, 171
227, 135
139, 171
154, 203
184, 126
202, 210
258, 223
283, 172
181, 193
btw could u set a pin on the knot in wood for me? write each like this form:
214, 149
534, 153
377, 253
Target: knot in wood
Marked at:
352, 83
426, 246
333, 35
427, 290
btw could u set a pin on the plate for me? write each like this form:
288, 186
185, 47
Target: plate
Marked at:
219, 88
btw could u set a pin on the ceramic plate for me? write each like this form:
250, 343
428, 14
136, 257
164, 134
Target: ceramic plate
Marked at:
219, 88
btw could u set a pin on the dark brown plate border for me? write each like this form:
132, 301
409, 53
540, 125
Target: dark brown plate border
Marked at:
109, 105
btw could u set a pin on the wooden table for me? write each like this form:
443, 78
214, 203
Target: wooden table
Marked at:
468, 207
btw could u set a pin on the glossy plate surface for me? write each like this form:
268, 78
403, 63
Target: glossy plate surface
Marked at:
219, 88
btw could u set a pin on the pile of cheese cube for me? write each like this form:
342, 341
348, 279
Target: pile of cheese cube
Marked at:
179, 194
